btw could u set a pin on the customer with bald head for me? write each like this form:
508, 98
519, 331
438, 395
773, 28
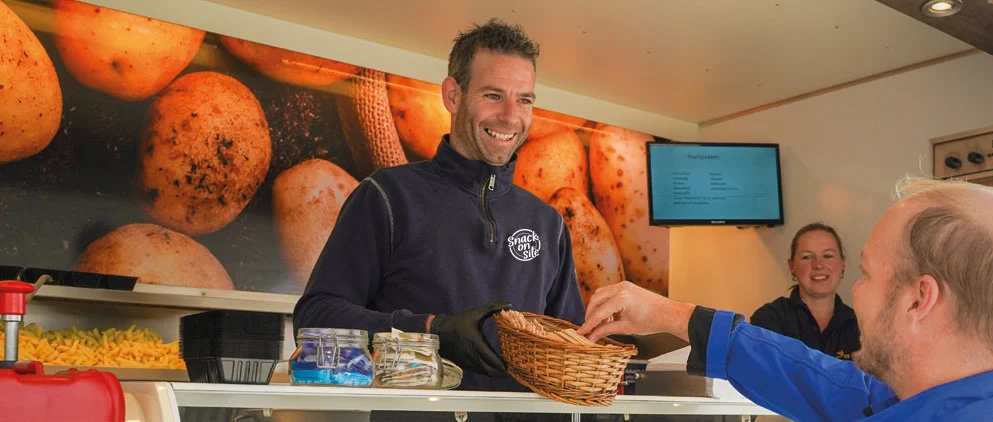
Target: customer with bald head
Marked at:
924, 303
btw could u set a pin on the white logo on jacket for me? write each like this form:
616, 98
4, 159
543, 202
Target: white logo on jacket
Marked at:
524, 244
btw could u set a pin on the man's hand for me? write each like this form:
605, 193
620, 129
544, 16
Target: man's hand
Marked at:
624, 308
462, 341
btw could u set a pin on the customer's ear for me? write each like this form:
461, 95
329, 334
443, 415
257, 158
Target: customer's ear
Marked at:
925, 292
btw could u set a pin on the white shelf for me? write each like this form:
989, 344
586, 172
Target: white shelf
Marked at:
175, 297
365, 399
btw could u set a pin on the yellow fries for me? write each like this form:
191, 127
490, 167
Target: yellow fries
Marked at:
129, 348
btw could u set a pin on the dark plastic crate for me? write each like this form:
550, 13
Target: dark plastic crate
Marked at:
230, 370
88, 280
246, 325
210, 414
80, 279
230, 348
59, 277
121, 282
8, 272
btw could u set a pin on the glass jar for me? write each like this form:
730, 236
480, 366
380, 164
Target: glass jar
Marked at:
407, 360
331, 356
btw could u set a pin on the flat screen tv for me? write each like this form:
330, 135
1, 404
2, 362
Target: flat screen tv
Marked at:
695, 184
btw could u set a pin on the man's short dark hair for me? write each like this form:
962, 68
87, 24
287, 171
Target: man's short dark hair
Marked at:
496, 36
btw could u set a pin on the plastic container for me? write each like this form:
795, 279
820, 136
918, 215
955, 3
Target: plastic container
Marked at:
407, 360
230, 370
120, 282
8, 272
87, 280
79, 279
232, 325
59, 278
230, 348
330, 356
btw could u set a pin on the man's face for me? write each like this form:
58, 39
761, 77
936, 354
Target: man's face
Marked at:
874, 300
491, 118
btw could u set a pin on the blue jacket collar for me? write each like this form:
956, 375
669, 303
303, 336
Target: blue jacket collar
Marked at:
472, 175
949, 401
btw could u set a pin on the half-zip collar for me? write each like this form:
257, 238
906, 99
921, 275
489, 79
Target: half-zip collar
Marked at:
470, 175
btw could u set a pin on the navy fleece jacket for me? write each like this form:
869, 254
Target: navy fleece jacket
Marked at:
441, 237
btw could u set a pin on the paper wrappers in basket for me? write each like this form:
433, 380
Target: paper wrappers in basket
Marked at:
586, 375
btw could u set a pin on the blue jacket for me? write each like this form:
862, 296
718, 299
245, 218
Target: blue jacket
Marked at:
785, 376
440, 237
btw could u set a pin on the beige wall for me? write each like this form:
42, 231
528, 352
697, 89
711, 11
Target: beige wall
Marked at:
841, 154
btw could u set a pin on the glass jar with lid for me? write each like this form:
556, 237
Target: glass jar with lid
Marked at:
331, 356
407, 360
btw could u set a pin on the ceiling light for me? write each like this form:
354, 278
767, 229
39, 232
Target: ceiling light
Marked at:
941, 8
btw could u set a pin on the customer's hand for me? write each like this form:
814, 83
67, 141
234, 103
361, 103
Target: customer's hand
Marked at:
462, 341
625, 308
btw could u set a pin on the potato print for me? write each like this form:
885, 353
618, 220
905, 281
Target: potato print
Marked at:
546, 164
548, 123
598, 263
155, 255
367, 122
288, 66
618, 167
203, 154
420, 114
306, 201
127, 56
30, 95
198, 159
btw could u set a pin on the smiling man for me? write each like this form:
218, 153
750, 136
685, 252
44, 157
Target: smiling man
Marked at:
925, 308
439, 246
491, 106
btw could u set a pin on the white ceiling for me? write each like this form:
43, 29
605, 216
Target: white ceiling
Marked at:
693, 60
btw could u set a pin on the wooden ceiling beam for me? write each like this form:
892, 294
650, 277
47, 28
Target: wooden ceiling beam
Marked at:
973, 24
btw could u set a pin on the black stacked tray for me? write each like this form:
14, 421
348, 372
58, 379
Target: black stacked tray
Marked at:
8, 272
231, 347
79, 279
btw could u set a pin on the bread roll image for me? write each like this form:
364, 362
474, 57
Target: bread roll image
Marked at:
419, 113
598, 262
548, 123
30, 94
618, 168
367, 122
306, 200
546, 164
127, 56
203, 153
155, 255
288, 66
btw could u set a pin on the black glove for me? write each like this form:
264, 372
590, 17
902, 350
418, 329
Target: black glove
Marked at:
462, 341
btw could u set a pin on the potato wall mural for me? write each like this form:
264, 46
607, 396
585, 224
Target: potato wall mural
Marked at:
137, 147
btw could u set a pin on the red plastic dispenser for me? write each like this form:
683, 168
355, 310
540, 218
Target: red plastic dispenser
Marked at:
26, 393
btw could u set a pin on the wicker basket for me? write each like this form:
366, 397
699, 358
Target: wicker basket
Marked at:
566, 372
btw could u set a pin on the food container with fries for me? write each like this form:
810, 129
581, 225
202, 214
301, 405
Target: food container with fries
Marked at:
546, 355
110, 348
